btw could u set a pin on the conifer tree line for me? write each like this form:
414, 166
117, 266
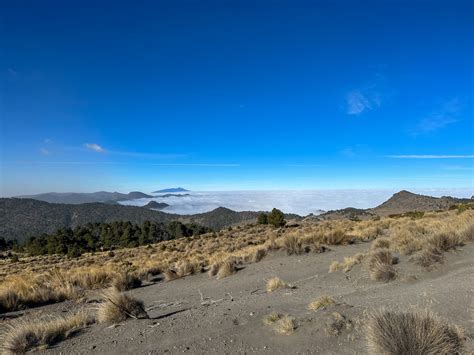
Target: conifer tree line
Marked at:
108, 236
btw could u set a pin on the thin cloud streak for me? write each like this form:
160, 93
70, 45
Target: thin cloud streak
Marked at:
195, 164
125, 163
95, 147
443, 116
429, 156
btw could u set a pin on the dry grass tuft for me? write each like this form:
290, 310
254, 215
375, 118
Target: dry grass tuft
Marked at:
348, 263
276, 283
382, 272
118, 307
24, 334
336, 237
186, 268
418, 332
170, 275
285, 325
467, 233
427, 257
381, 243
272, 318
380, 265
337, 323
126, 281
321, 303
226, 268
445, 240
292, 245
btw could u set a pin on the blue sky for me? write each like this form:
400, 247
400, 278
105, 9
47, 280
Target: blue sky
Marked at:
236, 95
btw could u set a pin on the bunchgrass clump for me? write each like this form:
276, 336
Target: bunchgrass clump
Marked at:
381, 265
118, 307
271, 318
276, 283
226, 268
380, 243
126, 281
25, 334
286, 325
419, 332
321, 303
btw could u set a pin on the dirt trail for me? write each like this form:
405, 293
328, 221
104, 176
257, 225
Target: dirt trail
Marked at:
202, 315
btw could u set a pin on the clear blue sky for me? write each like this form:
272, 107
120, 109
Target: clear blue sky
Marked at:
233, 95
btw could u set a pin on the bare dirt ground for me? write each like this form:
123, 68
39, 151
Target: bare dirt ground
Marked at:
202, 315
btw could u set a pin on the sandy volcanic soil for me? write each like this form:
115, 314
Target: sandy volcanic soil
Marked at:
202, 315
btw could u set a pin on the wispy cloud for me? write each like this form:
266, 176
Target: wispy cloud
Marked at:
99, 149
367, 97
359, 102
430, 156
446, 114
95, 147
45, 151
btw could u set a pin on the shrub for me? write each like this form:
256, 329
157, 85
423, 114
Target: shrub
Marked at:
418, 332
118, 307
276, 218
262, 218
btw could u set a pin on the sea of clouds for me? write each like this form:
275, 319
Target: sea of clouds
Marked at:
302, 202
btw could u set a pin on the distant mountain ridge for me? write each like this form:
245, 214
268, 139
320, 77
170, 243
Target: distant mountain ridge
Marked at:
86, 197
405, 201
400, 202
172, 189
21, 218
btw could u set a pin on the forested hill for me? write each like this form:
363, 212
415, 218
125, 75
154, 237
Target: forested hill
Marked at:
23, 218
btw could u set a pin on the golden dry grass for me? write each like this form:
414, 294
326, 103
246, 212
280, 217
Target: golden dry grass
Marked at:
348, 263
25, 334
276, 283
118, 307
381, 265
43, 279
419, 332
381, 243
321, 303
272, 318
286, 325
126, 281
